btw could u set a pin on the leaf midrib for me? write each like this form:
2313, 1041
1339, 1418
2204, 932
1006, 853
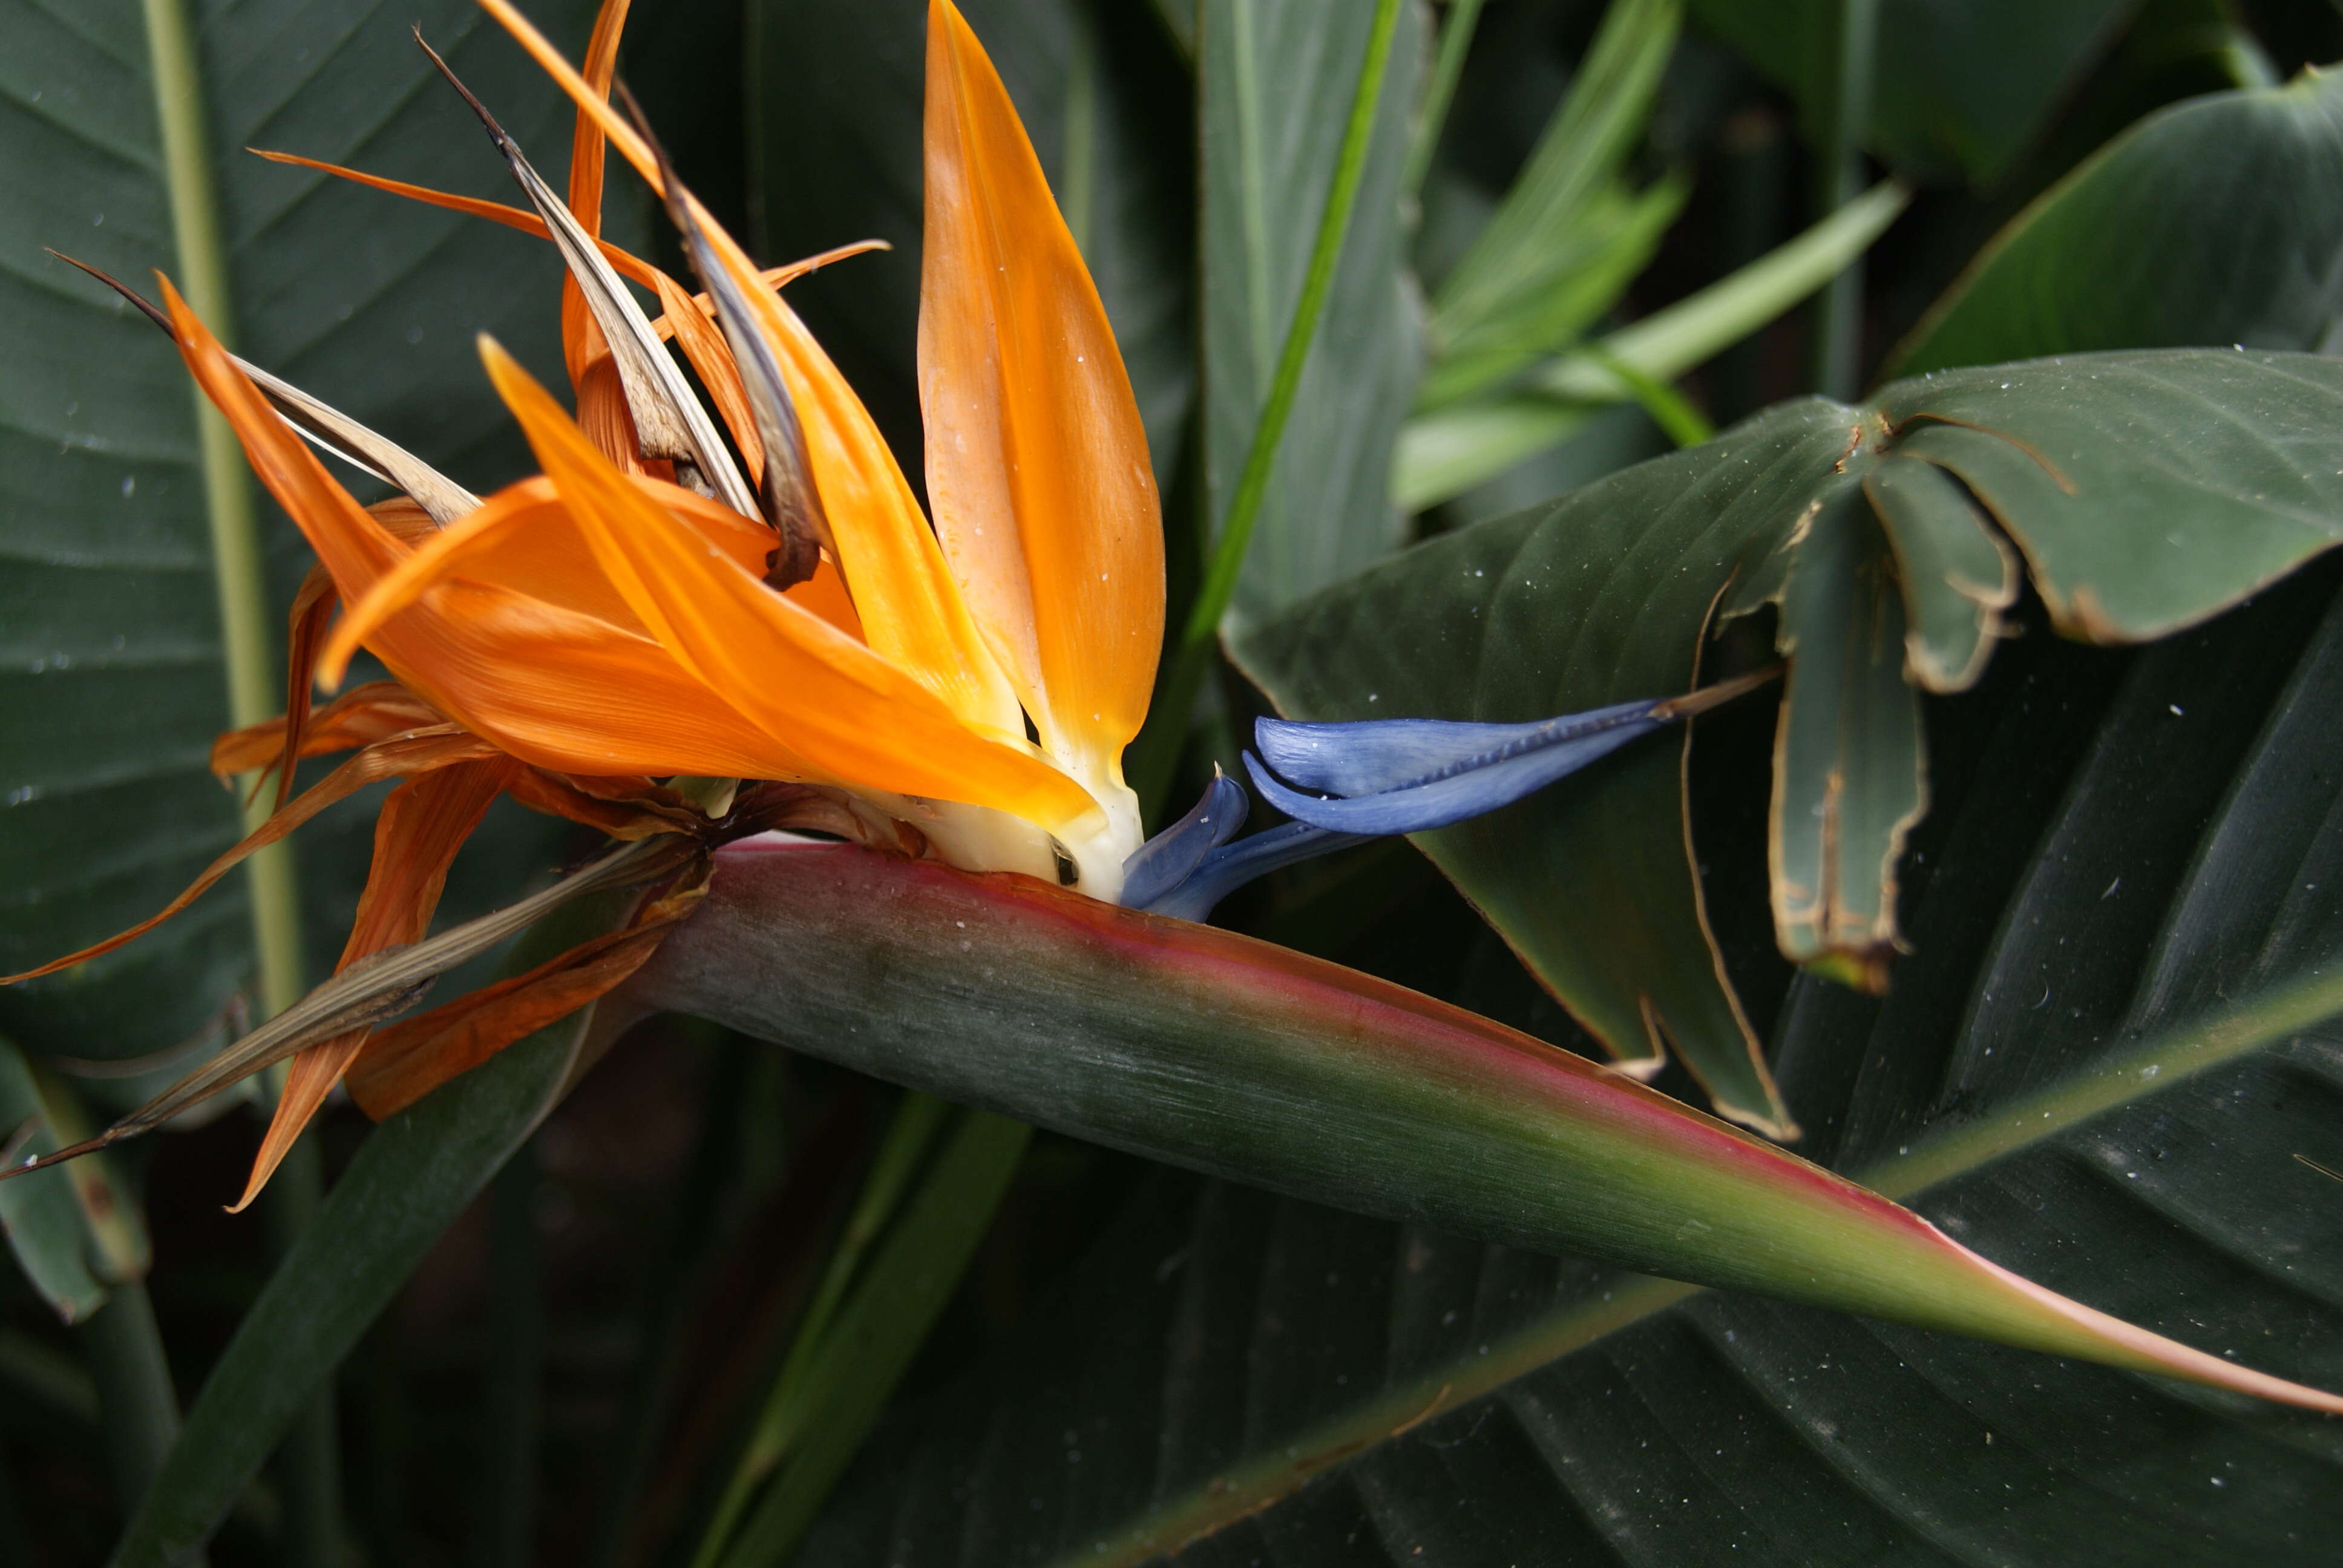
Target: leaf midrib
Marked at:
2162, 1061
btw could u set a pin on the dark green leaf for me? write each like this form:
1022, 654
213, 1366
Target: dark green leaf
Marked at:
113, 685
1848, 779
834, 103
2146, 491
413, 1175
2218, 221
1276, 91
39, 1212
1960, 86
1286, 1381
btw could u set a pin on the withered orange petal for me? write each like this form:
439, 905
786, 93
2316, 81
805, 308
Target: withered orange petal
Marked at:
422, 823
856, 717
1037, 462
400, 758
711, 361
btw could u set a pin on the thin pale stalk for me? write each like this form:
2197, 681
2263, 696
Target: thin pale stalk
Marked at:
1838, 314
242, 586
1455, 43
900, 1154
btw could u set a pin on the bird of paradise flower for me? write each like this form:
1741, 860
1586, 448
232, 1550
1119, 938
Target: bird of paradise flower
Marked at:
680, 648
963, 690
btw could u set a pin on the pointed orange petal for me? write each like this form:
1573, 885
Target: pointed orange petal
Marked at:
581, 337
1037, 463
911, 610
422, 823
409, 1060
628, 266
711, 361
855, 717
399, 758
359, 716
352, 544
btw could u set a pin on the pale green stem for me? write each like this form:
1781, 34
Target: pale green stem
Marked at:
228, 491
1455, 43
908, 1138
1838, 326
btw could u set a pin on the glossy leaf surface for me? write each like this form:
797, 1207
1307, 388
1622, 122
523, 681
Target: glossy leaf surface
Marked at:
1224, 1054
410, 1179
1271, 1380
2146, 491
1274, 93
114, 684
2168, 236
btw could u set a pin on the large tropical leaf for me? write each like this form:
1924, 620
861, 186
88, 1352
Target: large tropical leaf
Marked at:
1960, 87
2146, 491
113, 681
2122, 841
409, 1181
2218, 221
1277, 82
834, 96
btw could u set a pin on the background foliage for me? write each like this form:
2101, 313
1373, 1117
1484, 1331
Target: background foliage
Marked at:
660, 1328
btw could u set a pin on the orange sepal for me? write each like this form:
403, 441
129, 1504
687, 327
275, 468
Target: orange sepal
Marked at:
911, 610
399, 758
409, 1060
852, 715
359, 716
1037, 462
422, 823
581, 335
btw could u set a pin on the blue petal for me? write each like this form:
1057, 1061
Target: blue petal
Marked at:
1168, 858
1456, 796
1226, 869
1372, 756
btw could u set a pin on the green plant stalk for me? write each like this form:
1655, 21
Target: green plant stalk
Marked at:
1662, 345
917, 1271
1838, 318
909, 1136
228, 503
409, 1181
124, 1349
1670, 409
1455, 43
1671, 341
1176, 693
311, 1471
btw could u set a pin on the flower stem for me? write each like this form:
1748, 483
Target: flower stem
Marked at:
1838, 313
1455, 43
228, 491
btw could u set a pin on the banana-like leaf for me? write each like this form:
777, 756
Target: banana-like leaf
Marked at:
1228, 1055
1275, 88
2218, 221
410, 1179
112, 662
2083, 1072
2145, 492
